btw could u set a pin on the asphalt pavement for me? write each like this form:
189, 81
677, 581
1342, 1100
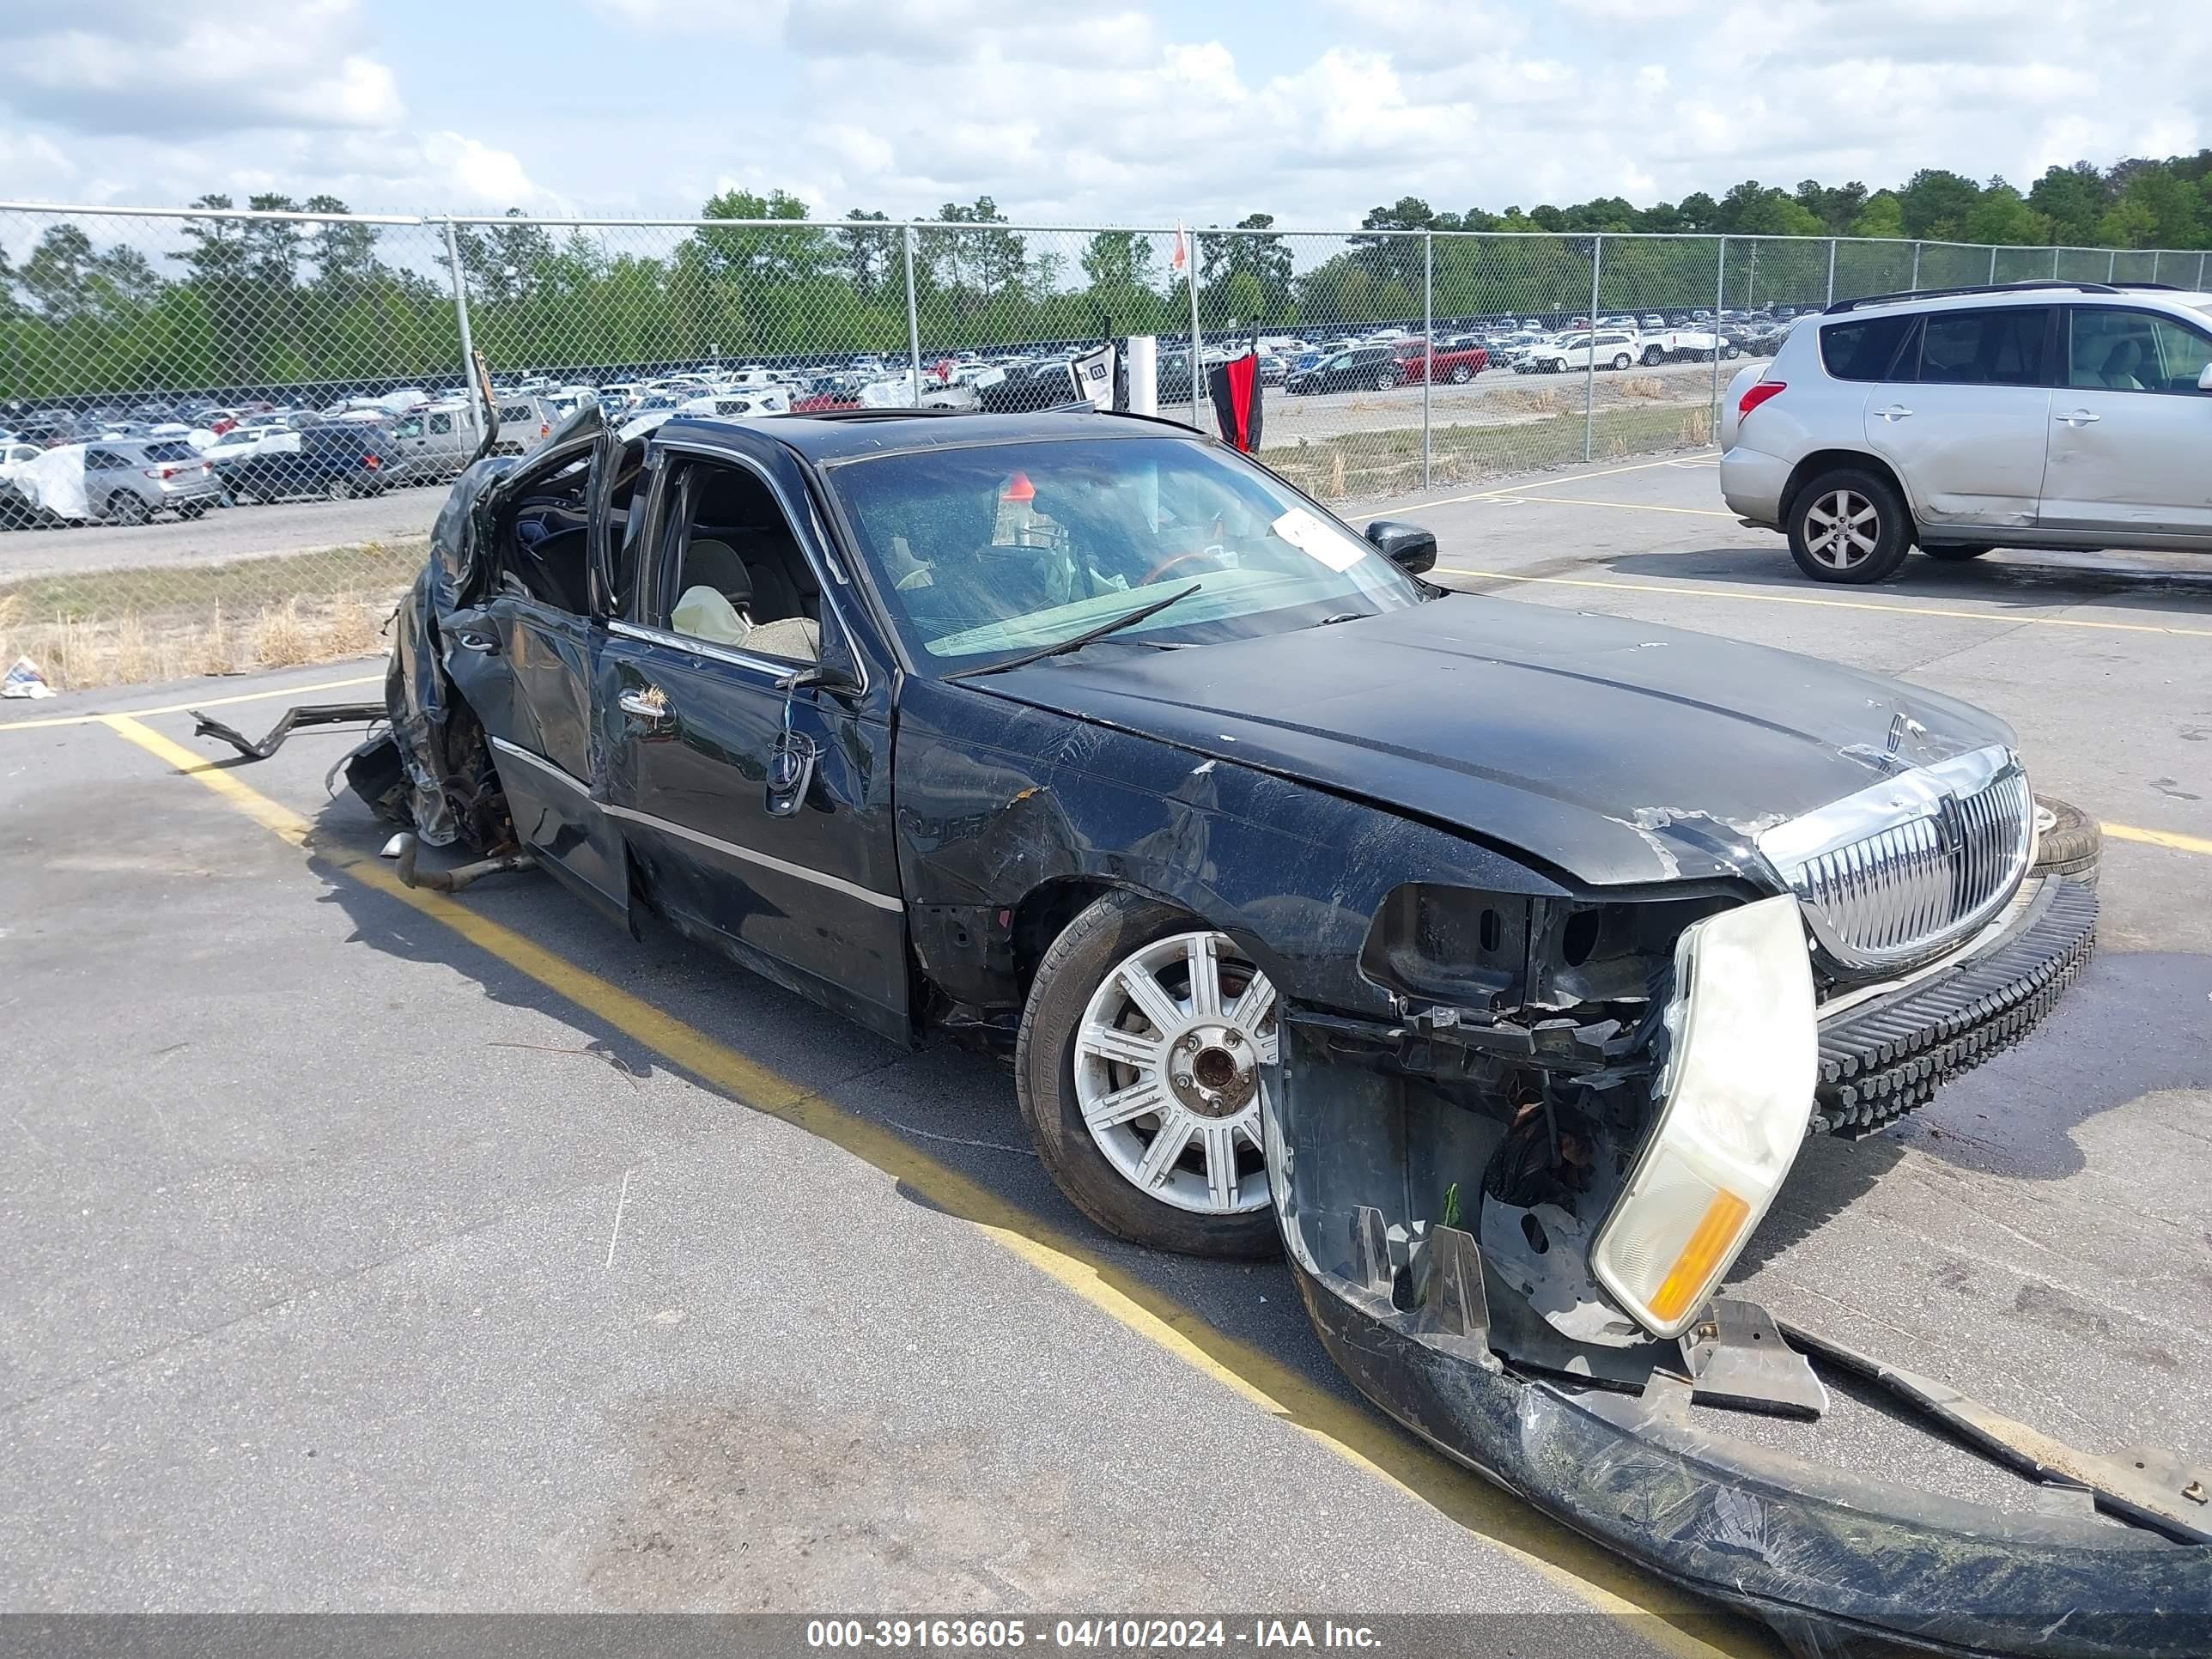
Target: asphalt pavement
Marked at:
375, 1251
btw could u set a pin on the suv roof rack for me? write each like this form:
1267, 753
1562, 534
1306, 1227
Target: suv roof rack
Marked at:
1993, 288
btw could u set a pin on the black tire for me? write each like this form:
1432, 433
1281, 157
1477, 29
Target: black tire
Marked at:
1889, 530
339, 488
1621, 361
1956, 555
1460, 374
2072, 846
1089, 949
123, 507
1731, 354
190, 510
1386, 381
1653, 357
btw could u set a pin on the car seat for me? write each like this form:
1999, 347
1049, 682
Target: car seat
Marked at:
2120, 365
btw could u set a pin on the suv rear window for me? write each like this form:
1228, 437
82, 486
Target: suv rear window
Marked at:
1984, 348
170, 450
1863, 350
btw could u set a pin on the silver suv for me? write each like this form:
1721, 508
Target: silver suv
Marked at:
2057, 415
128, 480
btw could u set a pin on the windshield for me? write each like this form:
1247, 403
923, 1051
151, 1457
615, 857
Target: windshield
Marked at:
1002, 548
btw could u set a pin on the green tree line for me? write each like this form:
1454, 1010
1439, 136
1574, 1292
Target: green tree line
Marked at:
330, 300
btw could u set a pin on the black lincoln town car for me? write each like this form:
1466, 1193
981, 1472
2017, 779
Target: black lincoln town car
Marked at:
1492, 961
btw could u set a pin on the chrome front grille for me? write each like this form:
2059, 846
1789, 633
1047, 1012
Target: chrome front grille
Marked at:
1892, 875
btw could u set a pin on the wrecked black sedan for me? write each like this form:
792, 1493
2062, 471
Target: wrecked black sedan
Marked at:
1494, 960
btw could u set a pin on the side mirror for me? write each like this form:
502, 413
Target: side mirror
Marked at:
2204, 378
1408, 546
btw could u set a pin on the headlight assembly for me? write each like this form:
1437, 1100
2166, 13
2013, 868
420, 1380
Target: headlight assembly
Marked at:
1734, 1100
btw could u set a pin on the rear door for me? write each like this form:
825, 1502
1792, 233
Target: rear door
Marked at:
1964, 418
2131, 433
524, 659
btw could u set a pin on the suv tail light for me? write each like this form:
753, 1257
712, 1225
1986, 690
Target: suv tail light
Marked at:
371, 462
1757, 393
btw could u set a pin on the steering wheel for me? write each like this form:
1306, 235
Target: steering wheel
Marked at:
1216, 553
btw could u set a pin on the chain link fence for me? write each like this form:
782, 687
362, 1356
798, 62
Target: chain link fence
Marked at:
292, 385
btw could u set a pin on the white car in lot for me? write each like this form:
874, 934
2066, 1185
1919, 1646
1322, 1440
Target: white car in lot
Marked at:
1613, 347
2045, 415
1679, 345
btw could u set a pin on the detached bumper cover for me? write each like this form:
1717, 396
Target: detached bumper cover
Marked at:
1818, 1554
1880, 1061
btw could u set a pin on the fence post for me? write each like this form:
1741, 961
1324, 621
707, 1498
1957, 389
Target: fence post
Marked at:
2200, 273
1197, 339
2112, 263
2154, 264
1832, 270
1720, 300
912, 322
1916, 265
1590, 370
461, 311
1993, 263
2054, 264
1428, 340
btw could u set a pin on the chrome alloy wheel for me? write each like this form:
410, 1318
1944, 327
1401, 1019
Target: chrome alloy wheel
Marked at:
1168, 1073
1841, 529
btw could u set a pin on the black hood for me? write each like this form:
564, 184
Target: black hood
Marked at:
1616, 751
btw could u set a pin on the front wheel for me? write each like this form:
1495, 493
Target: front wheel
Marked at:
1139, 1066
1731, 354
1848, 527
339, 489
1621, 361
1460, 374
1386, 381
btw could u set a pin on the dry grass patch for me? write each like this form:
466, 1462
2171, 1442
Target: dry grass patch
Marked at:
127, 627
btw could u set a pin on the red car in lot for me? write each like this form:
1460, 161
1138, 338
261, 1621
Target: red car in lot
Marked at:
1450, 362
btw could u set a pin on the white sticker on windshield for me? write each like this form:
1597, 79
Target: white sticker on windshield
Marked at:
1318, 540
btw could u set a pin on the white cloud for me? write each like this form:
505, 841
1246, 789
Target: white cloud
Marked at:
197, 66
1106, 111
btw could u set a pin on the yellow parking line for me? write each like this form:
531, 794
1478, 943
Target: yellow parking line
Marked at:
1541, 484
2168, 838
1517, 499
1670, 1620
187, 708
2009, 618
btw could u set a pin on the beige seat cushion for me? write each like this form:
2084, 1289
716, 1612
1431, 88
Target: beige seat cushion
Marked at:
706, 613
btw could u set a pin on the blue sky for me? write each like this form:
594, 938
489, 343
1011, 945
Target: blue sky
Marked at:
1067, 111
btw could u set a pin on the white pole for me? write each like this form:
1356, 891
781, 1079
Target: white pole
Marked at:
468, 346
1197, 340
1832, 270
1428, 340
913, 323
1590, 368
1720, 298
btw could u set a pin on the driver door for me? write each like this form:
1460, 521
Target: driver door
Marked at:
747, 748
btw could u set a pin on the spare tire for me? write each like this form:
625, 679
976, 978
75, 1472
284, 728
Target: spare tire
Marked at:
2072, 843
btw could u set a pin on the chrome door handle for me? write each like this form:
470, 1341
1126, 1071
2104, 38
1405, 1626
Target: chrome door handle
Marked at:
2079, 417
647, 703
480, 642
1895, 412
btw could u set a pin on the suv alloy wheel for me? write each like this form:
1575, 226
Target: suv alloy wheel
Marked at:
1848, 527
